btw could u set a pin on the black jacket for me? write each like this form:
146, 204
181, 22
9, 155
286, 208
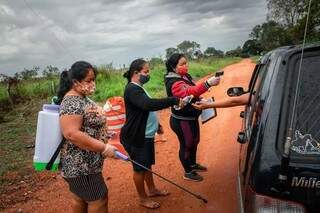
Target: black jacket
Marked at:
138, 104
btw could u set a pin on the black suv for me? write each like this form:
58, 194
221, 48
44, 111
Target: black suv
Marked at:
266, 120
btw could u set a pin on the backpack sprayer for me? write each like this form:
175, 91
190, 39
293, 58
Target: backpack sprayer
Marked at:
126, 158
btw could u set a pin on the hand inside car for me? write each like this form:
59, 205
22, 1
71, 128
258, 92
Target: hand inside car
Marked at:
202, 105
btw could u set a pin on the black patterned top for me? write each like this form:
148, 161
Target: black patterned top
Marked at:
75, 161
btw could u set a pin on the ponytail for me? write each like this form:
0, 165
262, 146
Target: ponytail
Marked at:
127, 75
135, 66
64, 86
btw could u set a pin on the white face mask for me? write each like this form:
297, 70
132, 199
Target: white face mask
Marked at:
87, 88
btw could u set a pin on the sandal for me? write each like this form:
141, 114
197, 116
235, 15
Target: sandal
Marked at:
149, 204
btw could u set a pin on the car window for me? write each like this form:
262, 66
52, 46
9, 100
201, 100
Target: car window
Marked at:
306, 135
257, 82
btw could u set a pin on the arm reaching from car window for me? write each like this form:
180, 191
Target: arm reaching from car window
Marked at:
224, 103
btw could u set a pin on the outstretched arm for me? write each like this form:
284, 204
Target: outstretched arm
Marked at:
224, 103
181, 89
141, 100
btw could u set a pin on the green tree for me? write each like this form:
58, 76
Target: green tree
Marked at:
256, 33
27, 74
50, 72
155, 61
170, 51
188, 48
268, 36
286, 12
274, 35
211, 51
235, 53
252, 47
292, 16
313, 28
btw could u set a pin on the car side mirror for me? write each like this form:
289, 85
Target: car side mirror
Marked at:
235, 91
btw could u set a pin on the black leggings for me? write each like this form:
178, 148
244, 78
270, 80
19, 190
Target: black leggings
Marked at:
188, 133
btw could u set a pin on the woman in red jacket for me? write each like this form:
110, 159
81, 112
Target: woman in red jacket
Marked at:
184, 122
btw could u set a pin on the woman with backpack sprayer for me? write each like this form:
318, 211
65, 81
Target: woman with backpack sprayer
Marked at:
83, 126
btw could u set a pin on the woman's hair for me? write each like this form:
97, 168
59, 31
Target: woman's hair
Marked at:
173, 61
78, 71
136, 65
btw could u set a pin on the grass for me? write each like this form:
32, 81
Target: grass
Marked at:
30, 89
256, 58
112, 84
3, 93
17, 137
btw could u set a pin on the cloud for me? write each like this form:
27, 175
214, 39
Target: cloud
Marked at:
40, 33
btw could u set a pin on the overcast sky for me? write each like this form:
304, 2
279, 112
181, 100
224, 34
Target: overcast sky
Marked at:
59, 32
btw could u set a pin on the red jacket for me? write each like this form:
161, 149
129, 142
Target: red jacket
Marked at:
181, 89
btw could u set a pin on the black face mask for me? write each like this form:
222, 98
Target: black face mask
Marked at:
144, 78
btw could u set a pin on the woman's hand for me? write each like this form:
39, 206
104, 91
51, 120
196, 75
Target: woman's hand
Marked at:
213, 81
202, 105
109, 151
184, 101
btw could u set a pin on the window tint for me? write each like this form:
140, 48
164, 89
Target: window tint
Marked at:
306, 138
256, 85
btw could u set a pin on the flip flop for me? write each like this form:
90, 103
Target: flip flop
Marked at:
150, 204
159, 193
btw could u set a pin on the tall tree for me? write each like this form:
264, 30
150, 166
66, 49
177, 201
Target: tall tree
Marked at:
286, 12
27, 74
170, 51
236, 52
273, 35
313, 28
50, 72
188, 48
252, 47
269, 35
211, 51
256, 33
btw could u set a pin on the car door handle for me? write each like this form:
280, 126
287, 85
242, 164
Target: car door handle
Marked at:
242, 137
242, 114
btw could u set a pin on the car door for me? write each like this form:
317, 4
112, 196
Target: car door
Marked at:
252, 114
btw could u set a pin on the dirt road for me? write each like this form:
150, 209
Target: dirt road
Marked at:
218, 150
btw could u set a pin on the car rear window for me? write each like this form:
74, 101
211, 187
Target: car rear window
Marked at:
306, 135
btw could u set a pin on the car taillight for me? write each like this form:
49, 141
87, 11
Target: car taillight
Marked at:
256, 203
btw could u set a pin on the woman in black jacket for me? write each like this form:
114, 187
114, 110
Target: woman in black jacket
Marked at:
137, 135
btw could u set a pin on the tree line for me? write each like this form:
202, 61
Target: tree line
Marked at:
285, 25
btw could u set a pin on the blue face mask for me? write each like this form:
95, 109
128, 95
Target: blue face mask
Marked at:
144, 78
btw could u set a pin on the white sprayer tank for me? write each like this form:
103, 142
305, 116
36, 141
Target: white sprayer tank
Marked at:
48, 137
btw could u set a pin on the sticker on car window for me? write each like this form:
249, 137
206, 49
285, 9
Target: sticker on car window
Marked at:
305, 144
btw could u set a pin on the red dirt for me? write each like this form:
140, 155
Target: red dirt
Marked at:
218, 150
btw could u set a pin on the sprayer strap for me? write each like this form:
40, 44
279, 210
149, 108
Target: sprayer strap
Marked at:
55, 155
